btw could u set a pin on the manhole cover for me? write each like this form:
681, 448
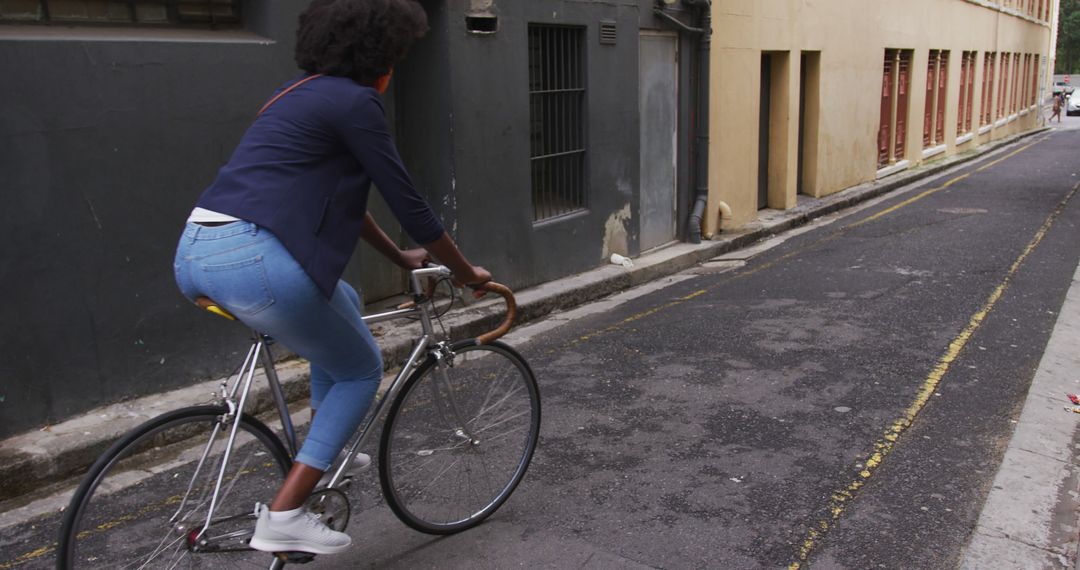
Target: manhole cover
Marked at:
963, 211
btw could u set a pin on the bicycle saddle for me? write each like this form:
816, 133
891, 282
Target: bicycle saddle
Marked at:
210, 305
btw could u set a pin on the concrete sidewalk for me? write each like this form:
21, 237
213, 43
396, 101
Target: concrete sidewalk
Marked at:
40, 463
1029, 519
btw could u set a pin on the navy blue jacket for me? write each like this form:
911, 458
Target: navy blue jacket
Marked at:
303, 171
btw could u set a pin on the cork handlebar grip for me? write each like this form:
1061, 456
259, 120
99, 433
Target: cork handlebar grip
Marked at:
511, 311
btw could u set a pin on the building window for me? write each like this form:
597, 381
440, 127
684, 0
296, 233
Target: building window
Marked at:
1022, 93
144, 12
557, 112
1017, 78
966, 105
1034, 80
895, 83
937, 79
988, 87
1003, 80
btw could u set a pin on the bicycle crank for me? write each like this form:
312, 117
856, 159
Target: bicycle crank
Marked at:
331, 506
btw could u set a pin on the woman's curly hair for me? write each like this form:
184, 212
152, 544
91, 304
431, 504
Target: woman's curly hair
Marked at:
358, 39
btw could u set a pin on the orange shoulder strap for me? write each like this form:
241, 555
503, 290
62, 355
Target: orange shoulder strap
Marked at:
286, 92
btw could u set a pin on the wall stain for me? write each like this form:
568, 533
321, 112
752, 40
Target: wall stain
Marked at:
615, 233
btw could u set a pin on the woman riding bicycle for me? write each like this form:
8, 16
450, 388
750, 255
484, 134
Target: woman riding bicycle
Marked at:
270, 238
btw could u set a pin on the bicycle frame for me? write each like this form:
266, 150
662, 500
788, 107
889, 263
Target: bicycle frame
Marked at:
259, 354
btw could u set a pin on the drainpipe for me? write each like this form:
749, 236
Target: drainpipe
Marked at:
701, 123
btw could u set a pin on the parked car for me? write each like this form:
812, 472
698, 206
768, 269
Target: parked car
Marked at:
1072, 105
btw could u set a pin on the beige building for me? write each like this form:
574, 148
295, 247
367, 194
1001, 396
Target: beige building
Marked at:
814, 96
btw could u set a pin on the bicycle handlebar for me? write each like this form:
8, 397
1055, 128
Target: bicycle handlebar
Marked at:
435, 270
511, 311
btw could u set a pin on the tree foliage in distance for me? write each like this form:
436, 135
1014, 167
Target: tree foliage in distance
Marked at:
1068, 40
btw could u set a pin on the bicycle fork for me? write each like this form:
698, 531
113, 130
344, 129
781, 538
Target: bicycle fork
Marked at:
453, 417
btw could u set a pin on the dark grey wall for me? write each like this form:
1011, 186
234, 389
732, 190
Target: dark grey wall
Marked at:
105, 142
486, 185
423, 118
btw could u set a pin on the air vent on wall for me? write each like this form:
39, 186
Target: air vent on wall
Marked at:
607, 32
482, 24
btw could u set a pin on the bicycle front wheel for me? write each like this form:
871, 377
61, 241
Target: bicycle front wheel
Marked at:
459, 437
144, 503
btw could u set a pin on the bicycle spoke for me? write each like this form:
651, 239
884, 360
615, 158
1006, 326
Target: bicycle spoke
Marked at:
506, 434
437, 477
503, 421
479, 456
427, 460
159, 550
177, 562
484, 402
202, 460
483, 411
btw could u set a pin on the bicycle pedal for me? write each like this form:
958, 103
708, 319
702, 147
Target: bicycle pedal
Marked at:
295, 557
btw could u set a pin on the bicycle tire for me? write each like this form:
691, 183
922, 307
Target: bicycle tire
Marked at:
426, 465
120, 514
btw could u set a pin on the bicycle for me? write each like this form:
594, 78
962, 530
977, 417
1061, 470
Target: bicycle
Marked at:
461, 425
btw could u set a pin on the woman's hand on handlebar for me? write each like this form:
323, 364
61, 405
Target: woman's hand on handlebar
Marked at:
476, 277
413, 258
446, 252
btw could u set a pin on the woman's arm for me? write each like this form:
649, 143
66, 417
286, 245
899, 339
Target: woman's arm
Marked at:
374, 235
447, 253
443, 249
367, 135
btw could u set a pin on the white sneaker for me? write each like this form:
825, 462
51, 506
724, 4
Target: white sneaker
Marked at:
295, 531
361, 461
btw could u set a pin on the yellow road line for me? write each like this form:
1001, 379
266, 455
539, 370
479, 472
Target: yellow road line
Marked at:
639, 316
1012, 154
38, 553
883, 446
108, 525
922, 195
915, 198
24, 558
747, 272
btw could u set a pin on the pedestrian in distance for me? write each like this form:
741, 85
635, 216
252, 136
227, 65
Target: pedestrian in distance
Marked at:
1059, 100
270, 237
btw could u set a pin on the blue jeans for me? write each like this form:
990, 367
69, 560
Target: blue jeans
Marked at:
246, 270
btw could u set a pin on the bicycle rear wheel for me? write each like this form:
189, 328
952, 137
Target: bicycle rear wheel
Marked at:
455, 446
144, 503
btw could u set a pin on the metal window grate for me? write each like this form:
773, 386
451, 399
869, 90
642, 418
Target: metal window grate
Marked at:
113, 12
557, 111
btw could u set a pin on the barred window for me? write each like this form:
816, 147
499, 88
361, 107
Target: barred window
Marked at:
966, 106
937, 80
557, 112
989, 60
145, 12
1003, 86
895, 83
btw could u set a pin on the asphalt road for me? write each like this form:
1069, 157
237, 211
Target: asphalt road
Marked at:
840, 400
